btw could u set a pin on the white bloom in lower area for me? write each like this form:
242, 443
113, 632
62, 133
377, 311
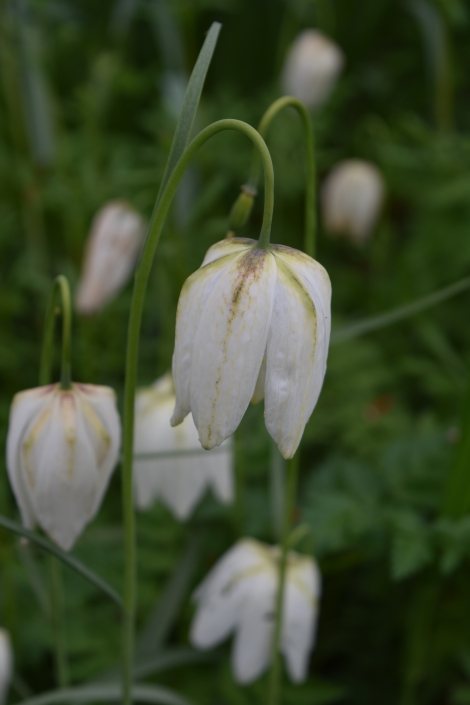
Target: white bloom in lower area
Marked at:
312, 67
251, 323
352, 197
115, 240
6, 664
62, 447
239, 595
179, 480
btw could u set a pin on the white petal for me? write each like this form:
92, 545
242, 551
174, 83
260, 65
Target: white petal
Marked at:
180, 481
258, 394
24, 409
6, 664
229, 344
229, 246
112, 249
194, 295
300, 615
297, 347
253, 642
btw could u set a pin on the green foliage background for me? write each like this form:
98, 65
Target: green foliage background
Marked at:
84, 117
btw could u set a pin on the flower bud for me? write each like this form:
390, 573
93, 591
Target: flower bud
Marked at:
6, 664
352, 197
239, 595
241, 209
114, 243
311, 68
62, 447
179, 480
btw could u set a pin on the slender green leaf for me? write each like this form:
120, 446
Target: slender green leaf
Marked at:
190, 104
169, 659
107, 693
66, 558
367, 325
161, 620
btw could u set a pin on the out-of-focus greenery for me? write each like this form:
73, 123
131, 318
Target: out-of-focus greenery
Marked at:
87, 112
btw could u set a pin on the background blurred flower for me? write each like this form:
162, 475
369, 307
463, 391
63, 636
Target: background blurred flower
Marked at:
62, 447
114, 243
245, 305
179, 481
352, 197
6, 664
239, 595
312, 67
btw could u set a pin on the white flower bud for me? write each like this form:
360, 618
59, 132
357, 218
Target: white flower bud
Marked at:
62, 447
239, 595
352, 197
311, 68
111, 252
180, 481
251, 323
6, 664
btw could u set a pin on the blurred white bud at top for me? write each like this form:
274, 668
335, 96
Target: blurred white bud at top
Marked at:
179, 480
239, 595
111, 252
62, 447
251, 323
311, 68
6, 664
351, 199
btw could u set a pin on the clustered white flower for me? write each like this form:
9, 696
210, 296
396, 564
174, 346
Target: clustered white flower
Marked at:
352, 197
251, 323
238, 596
114, 243
181, 478
62, 447
312, 67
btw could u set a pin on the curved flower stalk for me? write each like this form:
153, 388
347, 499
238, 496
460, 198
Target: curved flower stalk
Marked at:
6, 664
62, 447
352, 197
114, 243
179, 480
251, 323
312, 67
239, 595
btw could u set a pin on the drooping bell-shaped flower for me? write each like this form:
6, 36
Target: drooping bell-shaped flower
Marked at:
312, 67
179, 480
62, 447
6, 664
352, 197
239, 595
251, 323
111, 252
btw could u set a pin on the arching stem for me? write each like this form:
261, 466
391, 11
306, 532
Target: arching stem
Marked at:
135, 318
310, 190
61, 286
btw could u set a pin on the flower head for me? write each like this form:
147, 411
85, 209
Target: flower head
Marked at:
62, 447
6, 664
114, 243
352, 197
179, 480
312, 67
251, 323
239, 595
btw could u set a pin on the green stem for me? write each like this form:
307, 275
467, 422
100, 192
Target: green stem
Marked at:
274, 693
135, 318
45, 374
57, 615
310, 195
